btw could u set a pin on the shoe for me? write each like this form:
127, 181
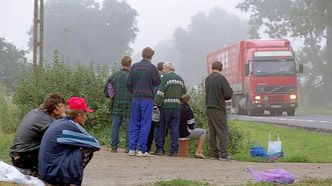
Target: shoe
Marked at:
173, 154
126, 151
228, 158
114, 150
160, 153
132, 153
141, 154
200, 156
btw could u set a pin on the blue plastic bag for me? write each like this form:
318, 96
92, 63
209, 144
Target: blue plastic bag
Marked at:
258, 151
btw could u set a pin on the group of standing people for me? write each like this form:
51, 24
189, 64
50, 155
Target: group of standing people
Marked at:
160, 88
51, 141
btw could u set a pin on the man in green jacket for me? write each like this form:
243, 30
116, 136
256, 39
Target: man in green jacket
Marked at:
168, 98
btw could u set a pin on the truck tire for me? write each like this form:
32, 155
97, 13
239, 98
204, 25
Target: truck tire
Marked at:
291, 112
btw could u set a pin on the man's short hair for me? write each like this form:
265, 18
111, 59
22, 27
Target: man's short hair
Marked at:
147, 53
217, 65
51, 101
160, 66
126, 61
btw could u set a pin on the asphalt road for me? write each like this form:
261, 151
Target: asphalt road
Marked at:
320, 123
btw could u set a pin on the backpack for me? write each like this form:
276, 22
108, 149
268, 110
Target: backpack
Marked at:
108, 89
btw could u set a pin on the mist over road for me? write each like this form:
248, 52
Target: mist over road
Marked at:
321, 123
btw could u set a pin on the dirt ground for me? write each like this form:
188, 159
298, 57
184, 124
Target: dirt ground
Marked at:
108, 168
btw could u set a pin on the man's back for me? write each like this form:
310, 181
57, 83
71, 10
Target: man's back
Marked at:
142, 78
122, 99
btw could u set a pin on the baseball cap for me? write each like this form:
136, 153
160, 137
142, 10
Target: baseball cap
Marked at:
77, 103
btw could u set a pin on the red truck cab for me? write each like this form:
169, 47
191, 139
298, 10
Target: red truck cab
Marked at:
262, 74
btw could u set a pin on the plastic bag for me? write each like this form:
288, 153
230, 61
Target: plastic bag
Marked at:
9, 173
257, 151
272, 175
155, 114
274, 147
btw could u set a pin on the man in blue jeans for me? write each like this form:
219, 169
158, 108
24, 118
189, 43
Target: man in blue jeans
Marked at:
142, 79
121, 103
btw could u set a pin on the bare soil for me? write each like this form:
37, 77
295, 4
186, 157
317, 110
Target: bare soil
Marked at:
108, 168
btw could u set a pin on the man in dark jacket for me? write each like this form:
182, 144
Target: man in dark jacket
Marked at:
25, 149
217, 90
142, 79
66, 147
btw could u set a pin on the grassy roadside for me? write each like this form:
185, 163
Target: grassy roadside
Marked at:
5, 143
298, 145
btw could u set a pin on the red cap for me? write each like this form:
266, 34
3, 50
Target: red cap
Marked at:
76, 103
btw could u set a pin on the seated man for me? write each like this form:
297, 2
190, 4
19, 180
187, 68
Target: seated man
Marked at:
66, 147
25, 149
187, 126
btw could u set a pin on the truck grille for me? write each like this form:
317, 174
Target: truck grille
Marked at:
275, 89
276, 99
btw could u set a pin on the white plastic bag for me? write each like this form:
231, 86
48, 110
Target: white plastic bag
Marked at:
9, 173
274, 147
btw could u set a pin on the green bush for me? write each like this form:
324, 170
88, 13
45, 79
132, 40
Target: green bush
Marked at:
8, 111
81, 81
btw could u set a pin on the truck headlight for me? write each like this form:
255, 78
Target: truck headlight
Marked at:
257, 98
293, 96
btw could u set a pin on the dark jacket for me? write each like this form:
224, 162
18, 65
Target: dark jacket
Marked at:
217, 90
187, 120
142, 79
60, 158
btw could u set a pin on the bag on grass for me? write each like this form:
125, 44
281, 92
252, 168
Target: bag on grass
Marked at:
272, 175
274, 148
257, 151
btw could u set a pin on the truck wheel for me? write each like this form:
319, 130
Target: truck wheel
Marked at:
291, 112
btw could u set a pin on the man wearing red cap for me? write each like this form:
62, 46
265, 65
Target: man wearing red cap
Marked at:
66, 147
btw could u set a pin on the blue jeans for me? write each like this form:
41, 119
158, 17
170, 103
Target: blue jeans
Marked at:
141, 118
116, 122
171, 118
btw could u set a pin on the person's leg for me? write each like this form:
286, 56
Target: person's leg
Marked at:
27, 162
200, 135
134, 125
160, 133
151, 137
127, 121
222, 134
173, 126
214, 152
146, 114
116, 121
86, 155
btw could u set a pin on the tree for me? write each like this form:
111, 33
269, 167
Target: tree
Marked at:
206, 33
82, 31
13, 64
308, 19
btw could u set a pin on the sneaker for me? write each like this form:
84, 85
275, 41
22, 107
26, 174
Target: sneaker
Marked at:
141, 154
132, 153
126, 151
228, 158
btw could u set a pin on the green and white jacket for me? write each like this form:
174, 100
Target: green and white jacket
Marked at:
170, 91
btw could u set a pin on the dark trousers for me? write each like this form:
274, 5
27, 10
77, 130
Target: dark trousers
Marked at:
27, 161
151, 136
218, 132
169, 118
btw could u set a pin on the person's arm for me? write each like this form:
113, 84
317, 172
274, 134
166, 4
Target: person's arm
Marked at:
130, 81
159, 99
189, 117
156, 77
228, 91
78, 139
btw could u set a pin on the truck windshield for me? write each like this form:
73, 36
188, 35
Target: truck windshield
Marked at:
274, 67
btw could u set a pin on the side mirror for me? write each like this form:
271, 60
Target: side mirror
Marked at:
300, 68
246, 69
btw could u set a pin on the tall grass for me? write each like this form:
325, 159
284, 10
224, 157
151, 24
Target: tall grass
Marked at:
8, 111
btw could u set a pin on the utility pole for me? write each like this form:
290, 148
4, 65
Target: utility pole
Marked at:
38, 33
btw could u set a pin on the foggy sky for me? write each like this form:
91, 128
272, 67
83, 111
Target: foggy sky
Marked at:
157, 19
